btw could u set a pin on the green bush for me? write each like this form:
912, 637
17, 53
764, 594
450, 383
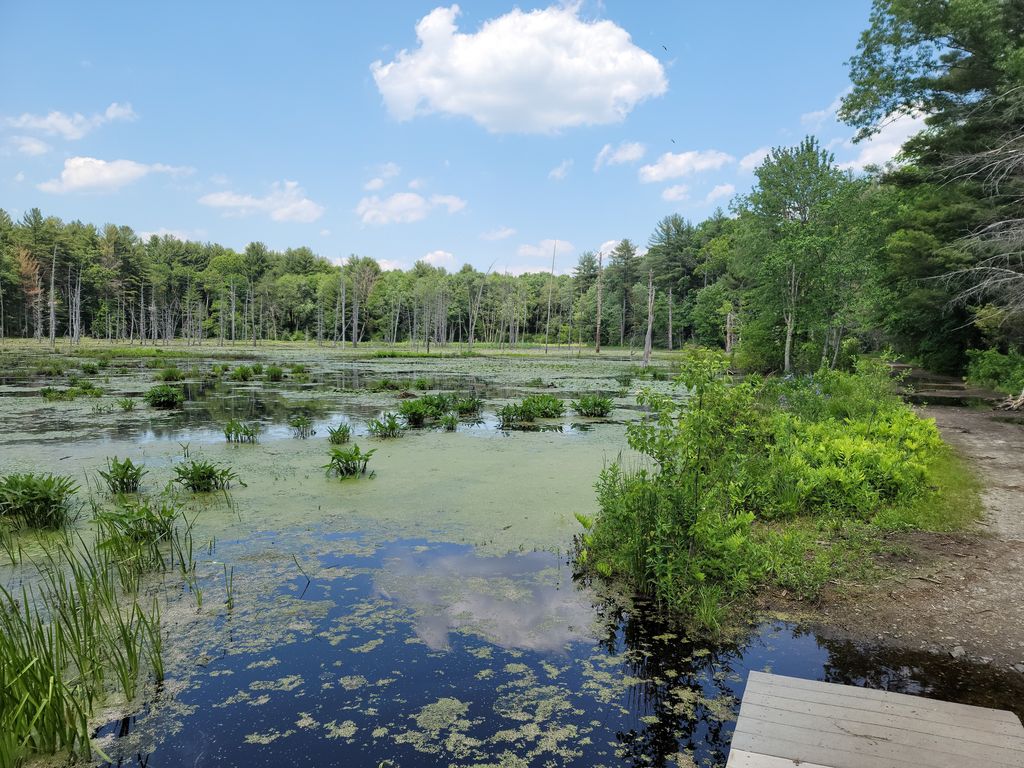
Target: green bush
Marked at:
201, 476
449, 422
171, 374
387, 426
592, 406
165, 396
544, 406
241, 373
126, 403
991, 368
123, 476
348, 462
275, 373
37, 500
415, 412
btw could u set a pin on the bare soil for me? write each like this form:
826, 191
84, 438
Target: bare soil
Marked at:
963, 593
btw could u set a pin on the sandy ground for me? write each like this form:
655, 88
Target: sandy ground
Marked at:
962, 594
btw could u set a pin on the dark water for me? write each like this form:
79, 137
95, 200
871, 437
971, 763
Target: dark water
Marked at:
431, 655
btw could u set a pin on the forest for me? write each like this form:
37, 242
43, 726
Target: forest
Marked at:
809, 267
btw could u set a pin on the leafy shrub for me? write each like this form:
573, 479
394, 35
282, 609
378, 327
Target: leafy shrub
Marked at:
165, 396
302, 425
170, 374
123, 476
415, 412
236, 431
201, 476
592, 406
275, 373
991, 368
339, 435
348, 462
241, 373
387, 426
37, 500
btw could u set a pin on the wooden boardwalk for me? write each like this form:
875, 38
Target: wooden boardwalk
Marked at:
786, 722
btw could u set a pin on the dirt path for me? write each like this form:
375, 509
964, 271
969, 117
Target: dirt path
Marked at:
962, 594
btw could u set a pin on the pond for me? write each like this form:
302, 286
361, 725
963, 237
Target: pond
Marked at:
428, 615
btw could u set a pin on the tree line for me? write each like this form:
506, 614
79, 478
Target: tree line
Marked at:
810, 266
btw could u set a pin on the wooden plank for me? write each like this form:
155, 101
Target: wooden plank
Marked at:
852, 750
842, 729
981, 728
739, 758
763, 679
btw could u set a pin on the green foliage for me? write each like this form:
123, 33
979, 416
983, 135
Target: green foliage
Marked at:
834, 447
275, 373
200, 476
544, 406
165, 396
992, 368
468, 405
257, 369
387, 426
340, 434
415, 412
170, 374
236, 431
592, 406
126, 403
241, 373
123, 476
90, 369
449, 422
421, 384
348, 462
32, 500
514, 416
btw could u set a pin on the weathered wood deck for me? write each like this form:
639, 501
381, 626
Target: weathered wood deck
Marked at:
785, 722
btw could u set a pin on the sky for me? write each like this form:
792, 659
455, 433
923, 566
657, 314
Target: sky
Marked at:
488, 133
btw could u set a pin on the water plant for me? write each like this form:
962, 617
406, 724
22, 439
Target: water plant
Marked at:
170, 374
165, 396
386, 426
514, 415
90, 369
467, 405
241, 373
415, 412
421, 384
37, 500
236, 431
340, 434
136, 532
449, 422
257, 369
200, 476
126, 403
101, 409
544, 406
275, 373
348, 462
592, 405
302, 425
123, 476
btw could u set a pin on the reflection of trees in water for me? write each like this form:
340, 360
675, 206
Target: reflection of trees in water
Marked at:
918, 672
668, 666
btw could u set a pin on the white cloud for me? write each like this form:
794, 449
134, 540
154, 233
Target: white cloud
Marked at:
753, 159
416, 184
404, 207
672, 165
676, 193
29, 145
560, 171
177, 234
626, 152
439, 259
501, 233
71, 126
883, 146
524, 72
325, 233
608, 246
90, 173
544, 249
19, 177
389, 264
720, 191
286, 201
385, 173
816, 118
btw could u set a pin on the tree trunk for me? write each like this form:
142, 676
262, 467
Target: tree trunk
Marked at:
650, 319
597, 335
53, 301
669, 319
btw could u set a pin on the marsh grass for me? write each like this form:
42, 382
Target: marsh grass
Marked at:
170, 374
241, 373
165, 396
594, 406
238, 432
200, 476
122, 476
348, 462
387, 426
275, 373
339, 435
126, 403
524, 413
302, 426
449, 422
41, 501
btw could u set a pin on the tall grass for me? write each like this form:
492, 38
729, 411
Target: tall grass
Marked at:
37, 500
122, 476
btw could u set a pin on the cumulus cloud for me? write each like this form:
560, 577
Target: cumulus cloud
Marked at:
524, 72
816, 118
19, 177
71, 126
720, 191
672, 165
751, 160
626, 152
387, 171
886, 144
90, 173
29, 145
544, 249
177, 234
404, 207
560, 171
286, 201
501, 233
439, 259
389, 264
676, 193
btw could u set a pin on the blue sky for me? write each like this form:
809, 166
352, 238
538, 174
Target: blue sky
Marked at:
499, 130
